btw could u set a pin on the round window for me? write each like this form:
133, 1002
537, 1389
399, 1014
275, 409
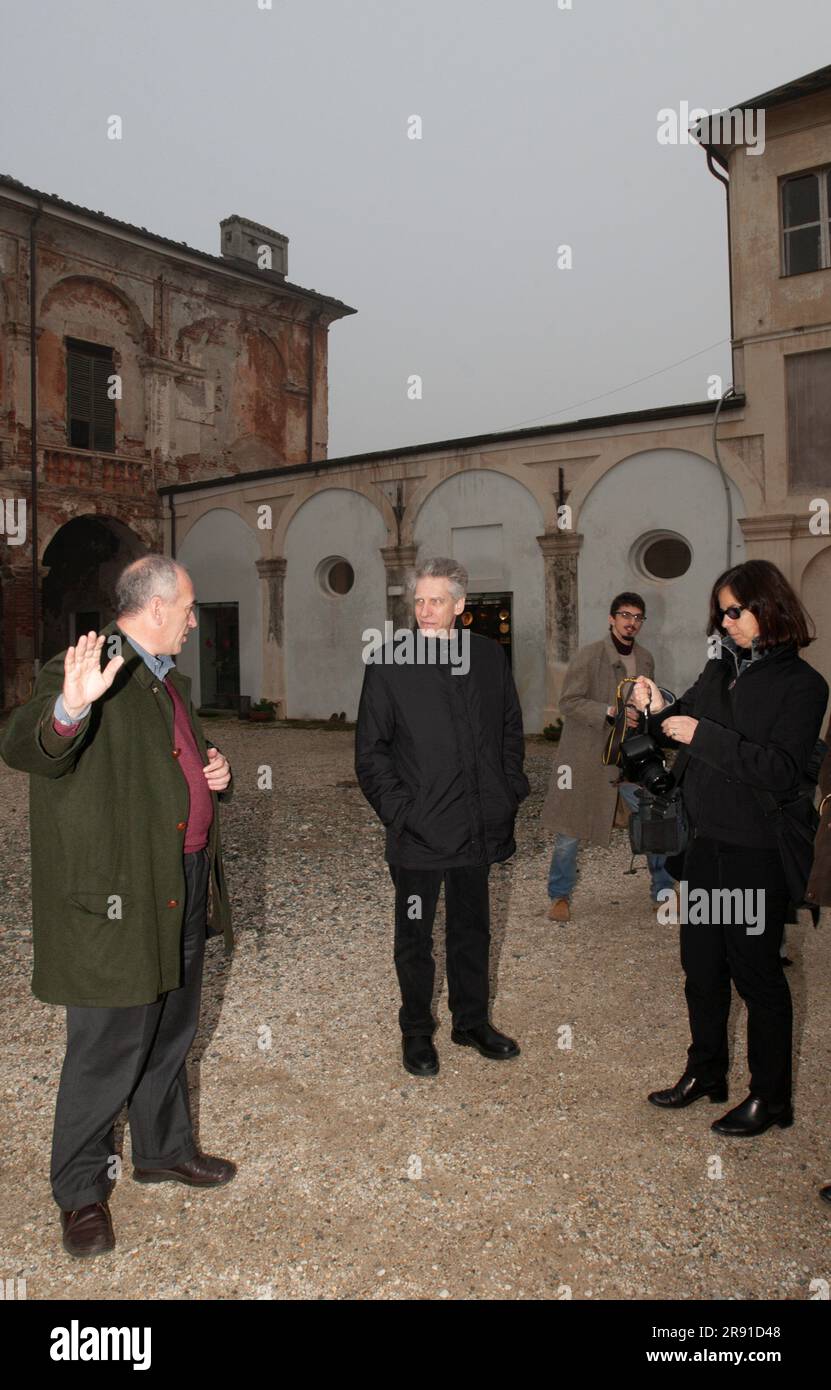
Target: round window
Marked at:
335, 576
662, 555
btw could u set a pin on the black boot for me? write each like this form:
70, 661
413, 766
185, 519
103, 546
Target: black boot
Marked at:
685, 1091
492, 1044
420, 1056
753, 1116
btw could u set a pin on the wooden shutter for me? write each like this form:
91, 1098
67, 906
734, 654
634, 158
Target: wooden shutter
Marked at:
91, 414
808, 384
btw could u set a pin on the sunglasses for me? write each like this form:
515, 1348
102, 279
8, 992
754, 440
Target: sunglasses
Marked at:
734, 612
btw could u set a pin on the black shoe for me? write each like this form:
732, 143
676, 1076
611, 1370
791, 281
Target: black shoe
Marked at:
753, 1116
420, 1056
686, 1091
486, 1040
825, 1193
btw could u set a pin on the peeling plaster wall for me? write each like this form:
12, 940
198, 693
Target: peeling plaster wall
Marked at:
214, 375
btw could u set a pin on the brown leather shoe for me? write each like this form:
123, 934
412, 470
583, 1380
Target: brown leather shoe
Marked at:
558, 911
200, 1171
88, 1231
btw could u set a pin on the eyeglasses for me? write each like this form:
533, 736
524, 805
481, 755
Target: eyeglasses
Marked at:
630, 617
734, 612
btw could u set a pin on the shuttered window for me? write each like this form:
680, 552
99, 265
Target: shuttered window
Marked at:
90, 412
808, 383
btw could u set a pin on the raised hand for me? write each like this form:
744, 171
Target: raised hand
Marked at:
83, 680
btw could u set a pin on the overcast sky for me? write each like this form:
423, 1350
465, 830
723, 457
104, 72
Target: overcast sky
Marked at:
539, 129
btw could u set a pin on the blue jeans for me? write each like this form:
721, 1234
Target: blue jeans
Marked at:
562, 874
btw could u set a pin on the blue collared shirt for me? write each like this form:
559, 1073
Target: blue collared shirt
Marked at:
158, 665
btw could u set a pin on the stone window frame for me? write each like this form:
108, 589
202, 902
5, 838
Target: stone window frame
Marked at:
823, 222
322, 576
642, 545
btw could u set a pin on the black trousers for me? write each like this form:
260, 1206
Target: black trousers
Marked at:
713, 955
134, 1055
467, 910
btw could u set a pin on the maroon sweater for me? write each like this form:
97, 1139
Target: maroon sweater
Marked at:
201, 810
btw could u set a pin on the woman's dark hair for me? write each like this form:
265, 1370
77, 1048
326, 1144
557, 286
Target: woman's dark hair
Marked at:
761, 587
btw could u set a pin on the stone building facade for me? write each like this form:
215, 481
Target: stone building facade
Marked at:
294, 559
155, 364
658, 501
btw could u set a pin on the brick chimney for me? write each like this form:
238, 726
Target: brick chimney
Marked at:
254, 245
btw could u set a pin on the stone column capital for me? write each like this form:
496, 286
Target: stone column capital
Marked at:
399, 556
273, 568
559, 544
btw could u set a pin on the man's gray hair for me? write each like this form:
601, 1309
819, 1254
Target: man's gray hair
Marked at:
441, 567
142, 580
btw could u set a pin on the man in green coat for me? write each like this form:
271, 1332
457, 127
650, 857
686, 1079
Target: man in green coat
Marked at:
127, 881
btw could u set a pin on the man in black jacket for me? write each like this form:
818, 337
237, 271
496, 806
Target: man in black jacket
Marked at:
438, 754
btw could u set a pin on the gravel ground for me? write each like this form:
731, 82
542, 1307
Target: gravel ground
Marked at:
545, 1177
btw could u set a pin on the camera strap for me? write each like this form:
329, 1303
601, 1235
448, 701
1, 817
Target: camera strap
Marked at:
618, 731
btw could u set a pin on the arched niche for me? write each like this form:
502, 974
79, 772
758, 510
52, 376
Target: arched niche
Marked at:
323, 629
489, 522
220, 553
647, 494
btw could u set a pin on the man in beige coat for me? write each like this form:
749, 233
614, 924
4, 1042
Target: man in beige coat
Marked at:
582, 793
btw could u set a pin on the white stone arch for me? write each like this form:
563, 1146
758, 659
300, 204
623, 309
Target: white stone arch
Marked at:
489, 521
220, 552
307, 488
611, 456
323, 632
528, 481
657, 490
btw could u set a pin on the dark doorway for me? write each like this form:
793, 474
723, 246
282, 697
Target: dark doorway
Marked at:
88, 621
491, 615
219, 655
84, 558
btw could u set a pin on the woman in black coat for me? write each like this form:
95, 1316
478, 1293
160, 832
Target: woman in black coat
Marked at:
747, 728
819, 884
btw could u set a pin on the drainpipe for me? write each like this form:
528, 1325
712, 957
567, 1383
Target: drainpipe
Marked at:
33, 416
719, 465
172, 526
730, 391
726, 182
311, 389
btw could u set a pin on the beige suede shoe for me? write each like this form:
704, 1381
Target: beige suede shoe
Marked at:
558, 911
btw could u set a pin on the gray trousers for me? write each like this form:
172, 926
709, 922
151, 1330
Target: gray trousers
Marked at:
133, 1056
